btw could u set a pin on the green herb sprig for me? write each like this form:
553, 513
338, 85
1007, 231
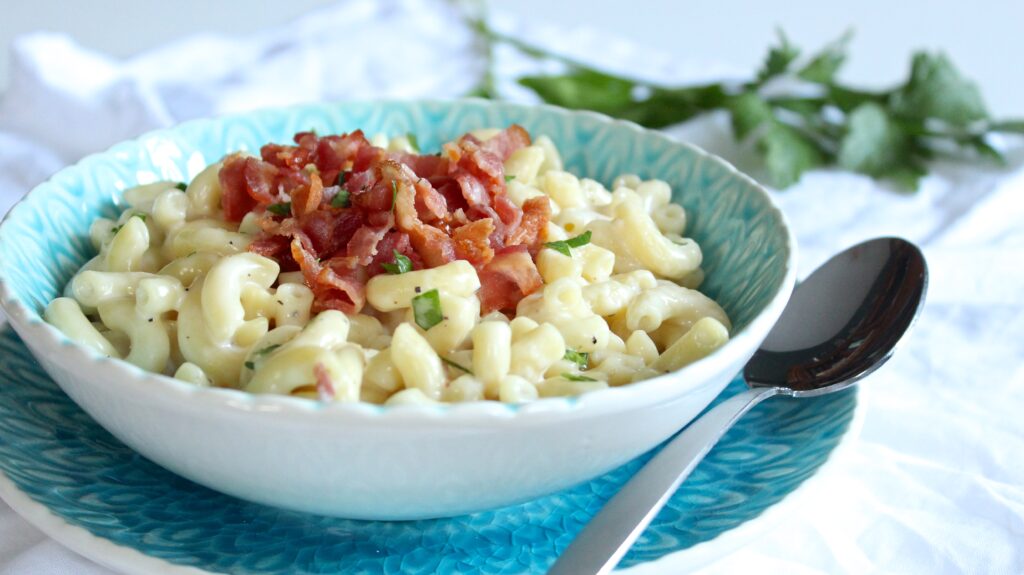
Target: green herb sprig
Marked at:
280, 209
426, 309
562, 246
400, 265
794, 111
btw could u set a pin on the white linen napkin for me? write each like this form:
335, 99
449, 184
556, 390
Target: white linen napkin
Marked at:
932, 483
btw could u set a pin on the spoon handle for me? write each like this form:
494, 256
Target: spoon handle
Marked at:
609, 534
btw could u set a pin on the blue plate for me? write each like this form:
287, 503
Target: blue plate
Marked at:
60, 458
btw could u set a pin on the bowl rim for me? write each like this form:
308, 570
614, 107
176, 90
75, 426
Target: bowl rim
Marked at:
42, 337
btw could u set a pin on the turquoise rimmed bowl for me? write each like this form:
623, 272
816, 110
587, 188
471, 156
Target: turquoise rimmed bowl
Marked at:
364, 461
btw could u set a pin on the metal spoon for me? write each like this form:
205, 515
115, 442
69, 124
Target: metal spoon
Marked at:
841, 324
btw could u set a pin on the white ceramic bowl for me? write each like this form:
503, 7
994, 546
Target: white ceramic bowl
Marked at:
365, 461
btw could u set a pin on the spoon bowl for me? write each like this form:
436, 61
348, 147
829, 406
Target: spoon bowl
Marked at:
842, 323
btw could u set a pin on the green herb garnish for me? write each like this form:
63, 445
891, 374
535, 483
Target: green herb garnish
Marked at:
341, 199
413, 141
456, 366
426, 309
250, 365
562, 246
394, 195
509, 178
578, 357
267, 349
341, 178
577, 377
282, 209
793, 111
401, 265
115, 229
139, 215
181, 186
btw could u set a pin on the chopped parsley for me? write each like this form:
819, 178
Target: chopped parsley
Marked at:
456, 366
267, 349
413, 141
562, 246
401, 264
181, 186
394, 195
426, 309
282, 209
578, 357
341, 178
139, 215
340, 200
250, 365
509, 178
577, 377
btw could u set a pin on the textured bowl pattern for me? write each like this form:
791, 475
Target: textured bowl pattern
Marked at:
56, 454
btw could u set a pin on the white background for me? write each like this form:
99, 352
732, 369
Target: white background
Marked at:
983, 37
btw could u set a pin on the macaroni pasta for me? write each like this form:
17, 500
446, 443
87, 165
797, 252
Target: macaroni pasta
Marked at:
178, 287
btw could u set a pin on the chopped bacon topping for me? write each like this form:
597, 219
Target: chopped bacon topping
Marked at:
354, 205
508, 278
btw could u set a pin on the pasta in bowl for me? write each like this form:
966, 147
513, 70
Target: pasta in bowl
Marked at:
482, 272
406, 407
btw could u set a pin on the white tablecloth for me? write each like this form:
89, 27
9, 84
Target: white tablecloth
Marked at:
932, 481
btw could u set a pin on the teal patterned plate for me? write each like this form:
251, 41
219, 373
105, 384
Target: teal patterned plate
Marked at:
83, 481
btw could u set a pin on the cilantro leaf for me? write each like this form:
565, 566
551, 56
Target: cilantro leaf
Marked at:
426, 309
250, 365
576, 377
934, 111
788, 153
823, 66
779, 59
281, 209
341, 199
665, 107
579, 358
181, 186
874, 144
936, 89
562, 246
509, 179
401, 264
584, 89
456, 366
749, 111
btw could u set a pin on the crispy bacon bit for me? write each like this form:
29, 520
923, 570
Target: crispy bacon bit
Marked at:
432, 209
508, 278
508, 141
339, 287
472, 241
531, 230
324, 383
434, 245
306, 200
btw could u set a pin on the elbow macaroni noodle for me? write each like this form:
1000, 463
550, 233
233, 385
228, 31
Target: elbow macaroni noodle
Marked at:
174, 290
